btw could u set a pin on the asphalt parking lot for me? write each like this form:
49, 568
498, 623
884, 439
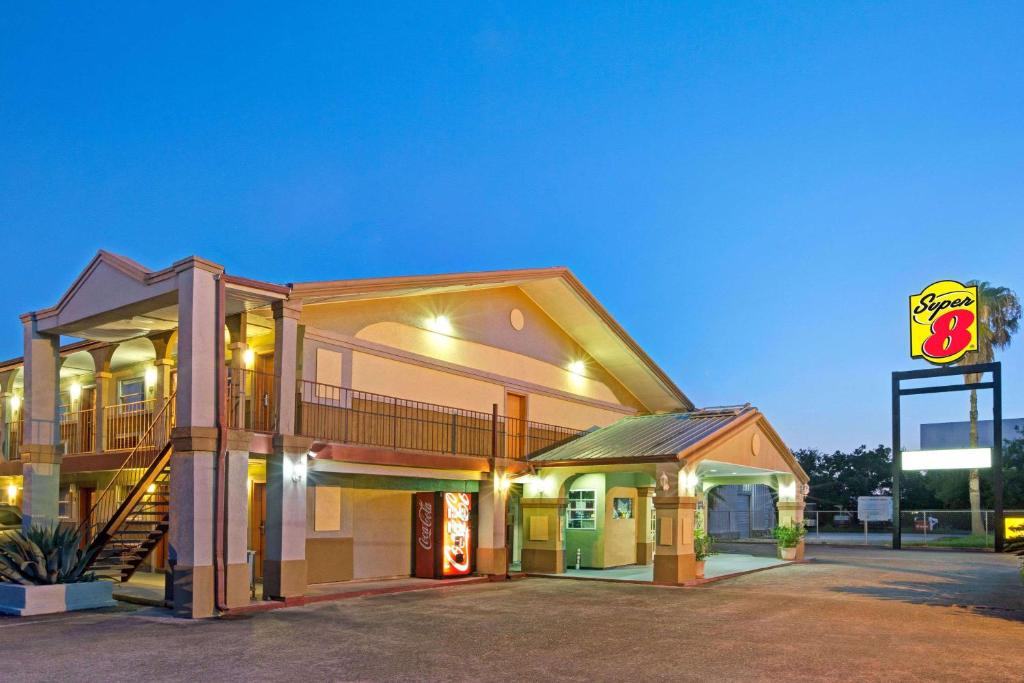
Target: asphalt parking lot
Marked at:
851, 614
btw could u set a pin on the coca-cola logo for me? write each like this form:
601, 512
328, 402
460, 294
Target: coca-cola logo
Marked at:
425, 515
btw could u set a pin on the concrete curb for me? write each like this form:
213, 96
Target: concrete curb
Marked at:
689, 584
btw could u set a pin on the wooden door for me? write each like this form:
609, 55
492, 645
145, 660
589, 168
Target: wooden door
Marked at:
515, 426
262, 394
258, 524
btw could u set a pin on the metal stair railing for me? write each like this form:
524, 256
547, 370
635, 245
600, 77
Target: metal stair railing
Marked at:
138, 470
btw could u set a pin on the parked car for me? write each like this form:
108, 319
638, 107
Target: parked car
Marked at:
10, 519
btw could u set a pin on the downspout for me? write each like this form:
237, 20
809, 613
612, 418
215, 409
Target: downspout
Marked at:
220, 499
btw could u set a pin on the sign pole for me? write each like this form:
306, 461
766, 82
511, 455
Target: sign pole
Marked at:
997, 455
897, 464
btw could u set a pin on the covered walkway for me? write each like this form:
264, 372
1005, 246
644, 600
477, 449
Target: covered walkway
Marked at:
630, 501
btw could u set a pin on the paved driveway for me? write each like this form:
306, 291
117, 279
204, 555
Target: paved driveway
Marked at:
850, 615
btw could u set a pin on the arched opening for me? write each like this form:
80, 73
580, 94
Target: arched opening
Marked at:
76, 408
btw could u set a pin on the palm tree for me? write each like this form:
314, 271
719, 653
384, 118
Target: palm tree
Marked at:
999, 313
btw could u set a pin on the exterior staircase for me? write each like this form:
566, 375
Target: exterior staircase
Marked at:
138, 525
131, 516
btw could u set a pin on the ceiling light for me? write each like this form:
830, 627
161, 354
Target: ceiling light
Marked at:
577, 367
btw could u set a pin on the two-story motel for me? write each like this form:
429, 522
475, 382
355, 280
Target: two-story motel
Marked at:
340, 429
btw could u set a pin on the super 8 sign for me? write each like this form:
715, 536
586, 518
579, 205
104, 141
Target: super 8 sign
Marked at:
944, 322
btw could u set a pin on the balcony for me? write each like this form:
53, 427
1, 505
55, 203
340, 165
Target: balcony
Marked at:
323, 412
348, 416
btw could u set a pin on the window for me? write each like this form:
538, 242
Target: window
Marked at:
622, 508
131, 391
582, 510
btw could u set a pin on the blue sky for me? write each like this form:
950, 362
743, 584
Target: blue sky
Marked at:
753, 189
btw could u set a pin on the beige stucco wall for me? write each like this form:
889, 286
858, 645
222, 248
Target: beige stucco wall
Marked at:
619, 534
382, 533
482, 341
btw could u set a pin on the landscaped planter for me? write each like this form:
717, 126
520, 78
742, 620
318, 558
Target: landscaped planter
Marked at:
787, 553
23, 601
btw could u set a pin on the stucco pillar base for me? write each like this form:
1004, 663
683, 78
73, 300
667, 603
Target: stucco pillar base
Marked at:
40, 472
543, 540
790, 512
543, 560
283, 579
674, 570
492, 561
193, 592
644, 553
238, 585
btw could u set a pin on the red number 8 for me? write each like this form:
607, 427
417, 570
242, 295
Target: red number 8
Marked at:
950, 334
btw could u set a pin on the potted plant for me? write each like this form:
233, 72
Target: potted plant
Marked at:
43, 570
788, 538
703, 548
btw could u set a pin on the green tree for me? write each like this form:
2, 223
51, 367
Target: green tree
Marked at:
999, 314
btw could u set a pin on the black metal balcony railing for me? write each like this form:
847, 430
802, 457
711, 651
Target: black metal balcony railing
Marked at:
348, 416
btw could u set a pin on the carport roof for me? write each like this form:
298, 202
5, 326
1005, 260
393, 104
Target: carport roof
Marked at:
646, 437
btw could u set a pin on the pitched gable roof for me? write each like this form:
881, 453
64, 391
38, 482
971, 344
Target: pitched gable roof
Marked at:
558, 293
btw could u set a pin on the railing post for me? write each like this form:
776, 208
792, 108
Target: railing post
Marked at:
394, 422
453, 441
494, 430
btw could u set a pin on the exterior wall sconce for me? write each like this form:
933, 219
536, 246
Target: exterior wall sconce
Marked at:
150, 376
12, 493
577, 367
440, 324
15, 403
248, 358
75, 392
298, 471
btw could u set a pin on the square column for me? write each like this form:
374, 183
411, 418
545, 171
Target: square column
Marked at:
644, 535
195, 436
237, 518
791, 511
674, 560
492, 553
39, 452
286, 361
284, 561
193, 479
544, 534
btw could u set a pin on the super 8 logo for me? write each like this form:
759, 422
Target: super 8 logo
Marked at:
944, 322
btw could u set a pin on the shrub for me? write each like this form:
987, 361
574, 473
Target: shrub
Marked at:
789, 536
44, 556
703, 545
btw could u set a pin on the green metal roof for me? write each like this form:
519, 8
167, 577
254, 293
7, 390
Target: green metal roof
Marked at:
645, 436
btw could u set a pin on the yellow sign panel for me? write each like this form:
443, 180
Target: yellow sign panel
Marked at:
944, 322
1012, 523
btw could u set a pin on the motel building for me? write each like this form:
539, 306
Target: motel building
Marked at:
216, 427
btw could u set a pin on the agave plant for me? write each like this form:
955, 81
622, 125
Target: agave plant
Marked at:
44, 555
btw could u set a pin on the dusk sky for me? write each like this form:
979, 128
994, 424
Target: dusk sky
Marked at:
752, 189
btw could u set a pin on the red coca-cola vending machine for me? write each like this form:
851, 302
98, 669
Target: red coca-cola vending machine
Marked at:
444, 534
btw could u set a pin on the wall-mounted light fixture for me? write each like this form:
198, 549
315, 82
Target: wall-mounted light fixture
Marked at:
440, 324
504, 482
248, 358
150, 376
75, 392
787, 491
12, 494
298, 470
15, 403
577, 367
